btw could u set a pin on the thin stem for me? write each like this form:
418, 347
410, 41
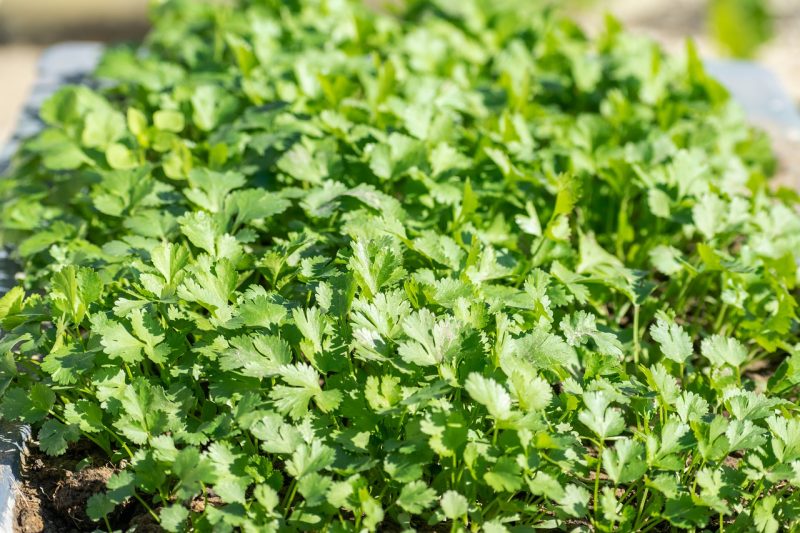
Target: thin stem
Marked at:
623, 211
721, 316
636, 334
597, 480
147, 507
650, 526
89, 436
641, 508
119, 440
290, 499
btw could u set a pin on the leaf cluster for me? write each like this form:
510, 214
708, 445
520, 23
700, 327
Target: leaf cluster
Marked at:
458, 266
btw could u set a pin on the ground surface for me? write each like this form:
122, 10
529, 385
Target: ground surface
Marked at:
55, 490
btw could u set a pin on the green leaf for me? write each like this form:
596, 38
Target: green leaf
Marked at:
373, 512
532, 392
786, 437
415, 497
66, 365
682, 512
454, 505
206, 103
712, 485
602, 420
433, 340
99, 506
257, 356
304, 386
624, 463
505, 475
55, 436
314, 488
575, 501
212, 289
87, 416
173, 517
491, 395
709, 215
74, 289
763, 516
252, 205
721, 351
543, 349
169, 120
744, 435
581, 326
299, 163
675, 343
27, 406
741, 26
311, 324
192, 471
120, 157
210, 190
376, 264
663, 382
58, 151
117, 341
308, 459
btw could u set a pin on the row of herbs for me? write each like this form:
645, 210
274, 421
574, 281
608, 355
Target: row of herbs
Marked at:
453, 266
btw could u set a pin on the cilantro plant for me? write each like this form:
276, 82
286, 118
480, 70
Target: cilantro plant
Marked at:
454, 267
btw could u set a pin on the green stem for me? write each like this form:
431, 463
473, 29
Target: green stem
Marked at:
641, 508
99, 444
650, 526
454, 526
492, 503
147, 507
597, 480
636, 334
681, 301
290, 499
119, 440
538, 248
759, 488
623, 211
720, 317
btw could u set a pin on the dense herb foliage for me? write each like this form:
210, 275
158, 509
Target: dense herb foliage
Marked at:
455, 268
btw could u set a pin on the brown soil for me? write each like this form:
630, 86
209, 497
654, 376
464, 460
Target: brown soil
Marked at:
53, 493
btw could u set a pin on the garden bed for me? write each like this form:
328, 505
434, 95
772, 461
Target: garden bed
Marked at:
27, 477
217, 476
51, 493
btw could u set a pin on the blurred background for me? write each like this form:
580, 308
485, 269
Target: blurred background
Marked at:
767, 31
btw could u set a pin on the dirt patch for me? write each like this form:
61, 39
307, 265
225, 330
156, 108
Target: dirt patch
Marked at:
199, 504
53, 493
